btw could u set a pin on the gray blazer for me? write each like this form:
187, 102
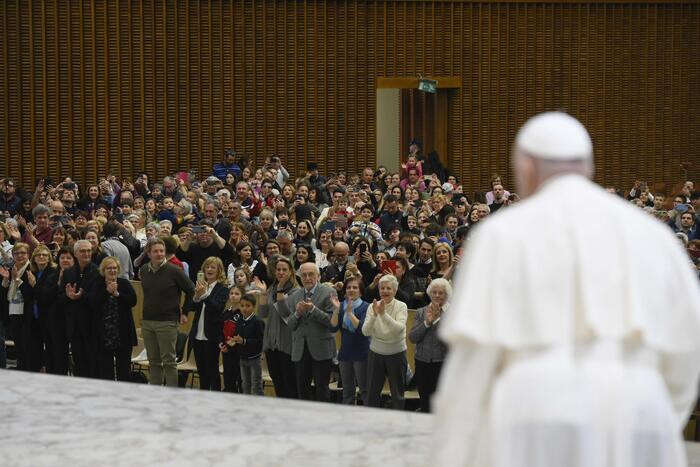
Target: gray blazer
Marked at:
429, 347
278, 335
313, 328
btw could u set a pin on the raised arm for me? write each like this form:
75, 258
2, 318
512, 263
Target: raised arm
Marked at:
370, 318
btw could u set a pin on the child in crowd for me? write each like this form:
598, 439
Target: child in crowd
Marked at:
411, 162
231, 318
248, 342
167, 213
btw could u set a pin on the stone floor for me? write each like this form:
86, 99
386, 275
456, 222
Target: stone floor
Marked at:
54, 420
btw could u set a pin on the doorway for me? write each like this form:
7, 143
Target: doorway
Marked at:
405, 114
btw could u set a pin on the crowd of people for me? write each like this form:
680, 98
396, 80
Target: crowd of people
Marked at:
268, 264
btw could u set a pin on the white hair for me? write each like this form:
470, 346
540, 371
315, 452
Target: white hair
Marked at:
391, 279
186, 206
79, 243
440, 282
166, 222
314, 265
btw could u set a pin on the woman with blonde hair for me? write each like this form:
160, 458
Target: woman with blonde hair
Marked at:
210, 296
288, 192
111, 299
443, 261
44, 285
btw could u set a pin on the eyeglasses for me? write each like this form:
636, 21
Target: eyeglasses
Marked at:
41, 254
18, 253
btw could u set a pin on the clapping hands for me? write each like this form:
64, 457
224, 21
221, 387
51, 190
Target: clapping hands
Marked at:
112, 287
31, 278
72, 293
304, 306
335, 302
378, 307
259, 285
433, 313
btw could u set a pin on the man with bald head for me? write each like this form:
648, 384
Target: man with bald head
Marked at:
586, 352
335, 272
307, 311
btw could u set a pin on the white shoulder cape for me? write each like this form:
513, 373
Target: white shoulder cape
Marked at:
573, 251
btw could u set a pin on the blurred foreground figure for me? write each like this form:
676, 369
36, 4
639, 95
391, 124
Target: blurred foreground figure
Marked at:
572, 342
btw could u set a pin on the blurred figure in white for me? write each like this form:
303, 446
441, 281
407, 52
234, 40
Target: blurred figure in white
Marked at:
585, 351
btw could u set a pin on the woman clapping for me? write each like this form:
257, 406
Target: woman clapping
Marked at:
430, 350
386, 325
210, 296
348, 317
277, 340
44, 283
111, 299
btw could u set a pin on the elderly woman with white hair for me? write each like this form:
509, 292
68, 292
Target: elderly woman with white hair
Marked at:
430, 349
385, 323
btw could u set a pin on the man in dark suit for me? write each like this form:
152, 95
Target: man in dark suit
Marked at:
73, 290
308, 311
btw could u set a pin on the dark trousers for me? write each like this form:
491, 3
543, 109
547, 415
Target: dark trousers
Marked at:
34, 344
380, 367
427, 376
106, 361
18, 333
283, 373
232, 371
319, 370
83, 356
3, 350
206, 355
54, 332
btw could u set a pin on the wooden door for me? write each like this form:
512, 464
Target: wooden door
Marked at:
424, 118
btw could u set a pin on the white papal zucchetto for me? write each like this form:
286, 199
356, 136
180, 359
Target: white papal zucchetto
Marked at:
555, 136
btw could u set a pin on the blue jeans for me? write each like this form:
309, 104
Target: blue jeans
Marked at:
251, 376
3, 351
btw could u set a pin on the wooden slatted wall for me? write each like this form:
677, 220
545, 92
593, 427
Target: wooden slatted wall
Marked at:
89, 86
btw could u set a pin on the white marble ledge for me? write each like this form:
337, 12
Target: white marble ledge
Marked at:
51, 420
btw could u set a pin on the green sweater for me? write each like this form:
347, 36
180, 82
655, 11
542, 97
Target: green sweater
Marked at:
162, 290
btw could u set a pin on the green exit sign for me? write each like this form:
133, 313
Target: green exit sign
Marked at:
427, 85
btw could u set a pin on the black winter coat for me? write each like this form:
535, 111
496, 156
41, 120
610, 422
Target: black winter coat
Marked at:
97, 298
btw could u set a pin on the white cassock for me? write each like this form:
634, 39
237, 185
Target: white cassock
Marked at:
574, 337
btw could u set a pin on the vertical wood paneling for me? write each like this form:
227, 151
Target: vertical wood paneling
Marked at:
90, 86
